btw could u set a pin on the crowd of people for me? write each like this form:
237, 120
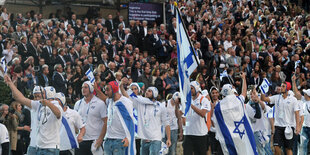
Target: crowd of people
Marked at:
56, 109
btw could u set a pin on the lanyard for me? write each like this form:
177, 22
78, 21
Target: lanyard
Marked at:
154, 110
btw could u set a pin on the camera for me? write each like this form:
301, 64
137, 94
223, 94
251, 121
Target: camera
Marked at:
11, 110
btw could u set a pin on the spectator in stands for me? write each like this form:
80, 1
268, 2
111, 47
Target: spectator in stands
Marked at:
59, 80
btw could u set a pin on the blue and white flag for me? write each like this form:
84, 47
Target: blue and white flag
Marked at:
3, 65
127, 122
233, 128
223, 74
90, 75
68, 139
264, 87
186, 64
296, 64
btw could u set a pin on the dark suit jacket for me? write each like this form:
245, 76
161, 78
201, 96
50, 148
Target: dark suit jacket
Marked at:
59, 61
131, 40
306, 33
228, 80
119, 34
59, 83
22, 51
252, 82
108, 24
110, 51
46, 56
42, 82
32, 51
68, 58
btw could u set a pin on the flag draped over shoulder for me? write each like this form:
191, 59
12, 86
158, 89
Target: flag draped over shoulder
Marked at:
233, 129
68, 139
187, 63
127, 122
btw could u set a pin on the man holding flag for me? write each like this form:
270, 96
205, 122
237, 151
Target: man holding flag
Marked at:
232, 125
196, 106
187, 63
286, 119
196, 140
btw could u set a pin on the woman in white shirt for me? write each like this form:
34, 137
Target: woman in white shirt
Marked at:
8, 51
4, 14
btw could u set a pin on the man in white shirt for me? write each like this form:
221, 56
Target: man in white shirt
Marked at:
49, 118
305, 109
37, 94
214, 143
196, 131
94, 115
151, 118
120, 124
4, 140
174, 116
71, 121
255, 109
286, 116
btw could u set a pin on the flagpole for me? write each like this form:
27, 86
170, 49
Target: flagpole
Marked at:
193, 50
190, 43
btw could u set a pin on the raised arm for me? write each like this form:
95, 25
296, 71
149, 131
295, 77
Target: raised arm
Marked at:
244, 86
295, 89
54, 109
123, 91
265, 98
18, 96
100, 94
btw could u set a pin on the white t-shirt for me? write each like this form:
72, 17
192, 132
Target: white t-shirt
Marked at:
4, 136
151, 117
173, 120
48, 129
284, 110
257, 124
33, 126
74, 121
306, 109
92, 114
212, 128
115, 130
195, 124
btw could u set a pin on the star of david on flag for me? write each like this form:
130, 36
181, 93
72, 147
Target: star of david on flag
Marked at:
187, 63
237, 129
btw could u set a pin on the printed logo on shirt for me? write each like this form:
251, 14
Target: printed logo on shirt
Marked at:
93, 107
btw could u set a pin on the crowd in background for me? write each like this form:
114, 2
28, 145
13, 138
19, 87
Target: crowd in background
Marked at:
262, 38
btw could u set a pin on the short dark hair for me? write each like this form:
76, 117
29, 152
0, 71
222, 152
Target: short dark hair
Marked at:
163, 72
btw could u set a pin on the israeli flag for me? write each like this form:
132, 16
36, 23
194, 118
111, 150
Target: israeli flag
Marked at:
223, 74
127, 122
233, 129
296, 64
3, 65
186, 64
68, 139
264, 87
90, 75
